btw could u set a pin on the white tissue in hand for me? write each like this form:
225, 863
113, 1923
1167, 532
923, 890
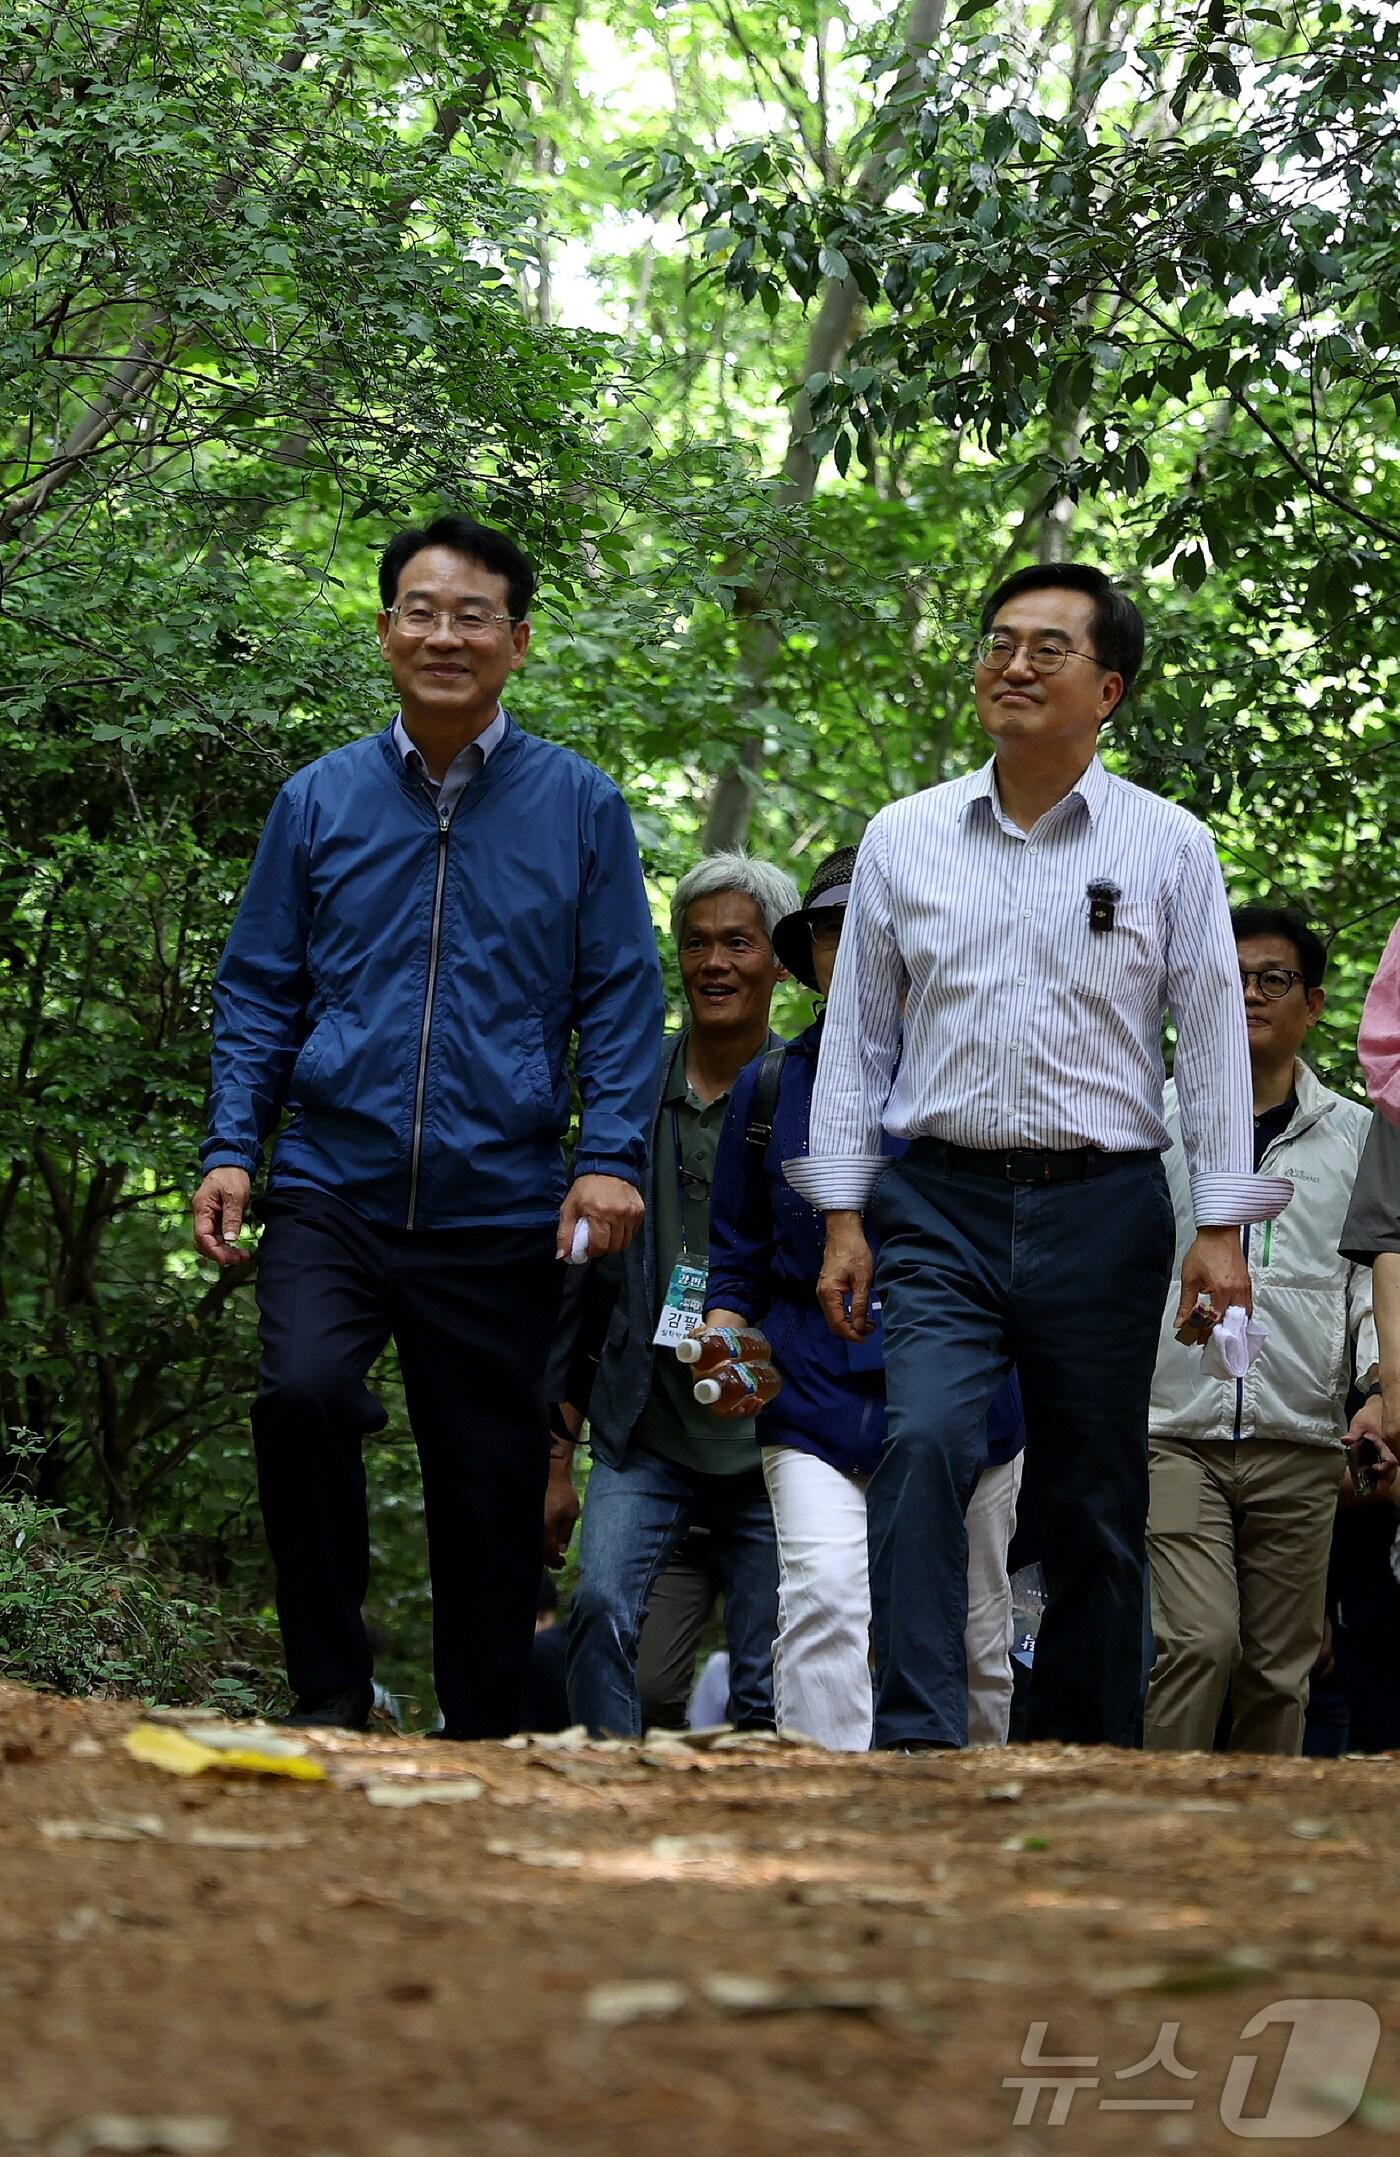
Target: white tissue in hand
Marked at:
1233, 1345
578, 1249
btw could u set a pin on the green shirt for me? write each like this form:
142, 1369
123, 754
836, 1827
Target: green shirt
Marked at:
673, 1423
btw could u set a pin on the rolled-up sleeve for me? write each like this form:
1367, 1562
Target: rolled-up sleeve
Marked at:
1213, 1082
860, 1044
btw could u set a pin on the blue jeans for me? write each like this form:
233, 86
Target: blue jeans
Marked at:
1066, 1281
634, 1519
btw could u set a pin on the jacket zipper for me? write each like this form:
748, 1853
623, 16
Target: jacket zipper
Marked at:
1268, 1246
426, 1032
1239, 1382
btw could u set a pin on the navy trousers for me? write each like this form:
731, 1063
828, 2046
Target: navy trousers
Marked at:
1066, 1282
471, 1312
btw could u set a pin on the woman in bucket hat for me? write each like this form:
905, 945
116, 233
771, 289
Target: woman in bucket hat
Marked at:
823, 1435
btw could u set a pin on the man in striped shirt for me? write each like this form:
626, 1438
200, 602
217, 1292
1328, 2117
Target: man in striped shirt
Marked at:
1032, 923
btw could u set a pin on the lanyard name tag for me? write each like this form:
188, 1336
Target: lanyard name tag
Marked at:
684, 1307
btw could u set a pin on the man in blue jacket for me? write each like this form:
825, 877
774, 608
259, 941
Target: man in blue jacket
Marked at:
432, 914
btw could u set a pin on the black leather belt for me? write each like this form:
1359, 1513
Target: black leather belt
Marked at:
1024, 1164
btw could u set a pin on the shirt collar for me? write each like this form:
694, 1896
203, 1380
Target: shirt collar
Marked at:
1090, 787
488, 739
676, 1088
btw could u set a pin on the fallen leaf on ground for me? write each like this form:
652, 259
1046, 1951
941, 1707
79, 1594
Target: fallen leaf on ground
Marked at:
179, 1754
118, 2131
243, 1838
552, 1860
634, 1999
438, 1793
737, 1994
131, 1829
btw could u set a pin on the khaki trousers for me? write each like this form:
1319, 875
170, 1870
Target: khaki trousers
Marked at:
1239, 1537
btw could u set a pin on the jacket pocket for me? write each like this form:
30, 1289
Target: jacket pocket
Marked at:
1175, 1504
534, 1081
317, 1060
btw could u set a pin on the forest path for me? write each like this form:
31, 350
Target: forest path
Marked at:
734, 1952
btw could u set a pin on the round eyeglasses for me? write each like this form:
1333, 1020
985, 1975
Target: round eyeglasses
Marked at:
996, 652
1274, 981
420, 621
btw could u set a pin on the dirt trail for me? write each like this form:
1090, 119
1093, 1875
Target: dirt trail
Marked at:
729, 1952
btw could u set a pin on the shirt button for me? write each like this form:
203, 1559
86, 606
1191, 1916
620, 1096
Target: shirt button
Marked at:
1020, 981
1027, 912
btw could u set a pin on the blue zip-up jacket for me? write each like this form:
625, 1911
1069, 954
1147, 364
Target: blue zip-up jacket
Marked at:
405, 986
766, 1248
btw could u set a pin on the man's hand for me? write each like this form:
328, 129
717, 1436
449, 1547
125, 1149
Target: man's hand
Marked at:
561, 1506
1369, 1422
847, 1270
612, 1208
720, 1317
1214, 1267
220, 1204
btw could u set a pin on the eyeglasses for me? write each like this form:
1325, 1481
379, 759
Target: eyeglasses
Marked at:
996, 652
419, 621
827, 930
1274, 981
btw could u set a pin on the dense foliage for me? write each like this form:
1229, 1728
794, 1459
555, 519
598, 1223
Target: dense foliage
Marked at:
776, 332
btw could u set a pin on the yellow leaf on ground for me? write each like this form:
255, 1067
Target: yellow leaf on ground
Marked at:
181, 1755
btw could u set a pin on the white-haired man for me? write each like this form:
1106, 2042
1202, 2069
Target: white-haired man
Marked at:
661, 1463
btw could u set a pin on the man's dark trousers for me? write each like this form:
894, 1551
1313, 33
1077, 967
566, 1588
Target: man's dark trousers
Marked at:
471, 1312
1066, 1281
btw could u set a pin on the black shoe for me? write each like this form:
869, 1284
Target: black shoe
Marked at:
343, 1711
922, 1745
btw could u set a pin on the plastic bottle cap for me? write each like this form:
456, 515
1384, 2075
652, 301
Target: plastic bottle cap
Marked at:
707, 1391
688, 1351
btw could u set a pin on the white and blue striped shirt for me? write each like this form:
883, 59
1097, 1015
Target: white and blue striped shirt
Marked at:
1023, 1026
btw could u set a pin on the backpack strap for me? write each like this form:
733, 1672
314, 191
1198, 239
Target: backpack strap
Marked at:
763, 1106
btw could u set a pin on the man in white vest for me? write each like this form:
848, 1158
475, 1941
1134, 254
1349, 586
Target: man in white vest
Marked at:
1245, 1472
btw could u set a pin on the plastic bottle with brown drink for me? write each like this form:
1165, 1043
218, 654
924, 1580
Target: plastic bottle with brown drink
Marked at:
731, 1390
708, 1350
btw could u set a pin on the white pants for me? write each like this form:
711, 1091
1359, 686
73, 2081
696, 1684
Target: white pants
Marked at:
991, 1523
821, 1657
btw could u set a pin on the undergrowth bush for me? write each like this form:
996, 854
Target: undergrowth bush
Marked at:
75, 1619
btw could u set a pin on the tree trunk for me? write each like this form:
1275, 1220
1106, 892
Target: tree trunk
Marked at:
832, 331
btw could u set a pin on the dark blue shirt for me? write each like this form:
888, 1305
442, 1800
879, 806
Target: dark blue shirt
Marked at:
766, 1246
